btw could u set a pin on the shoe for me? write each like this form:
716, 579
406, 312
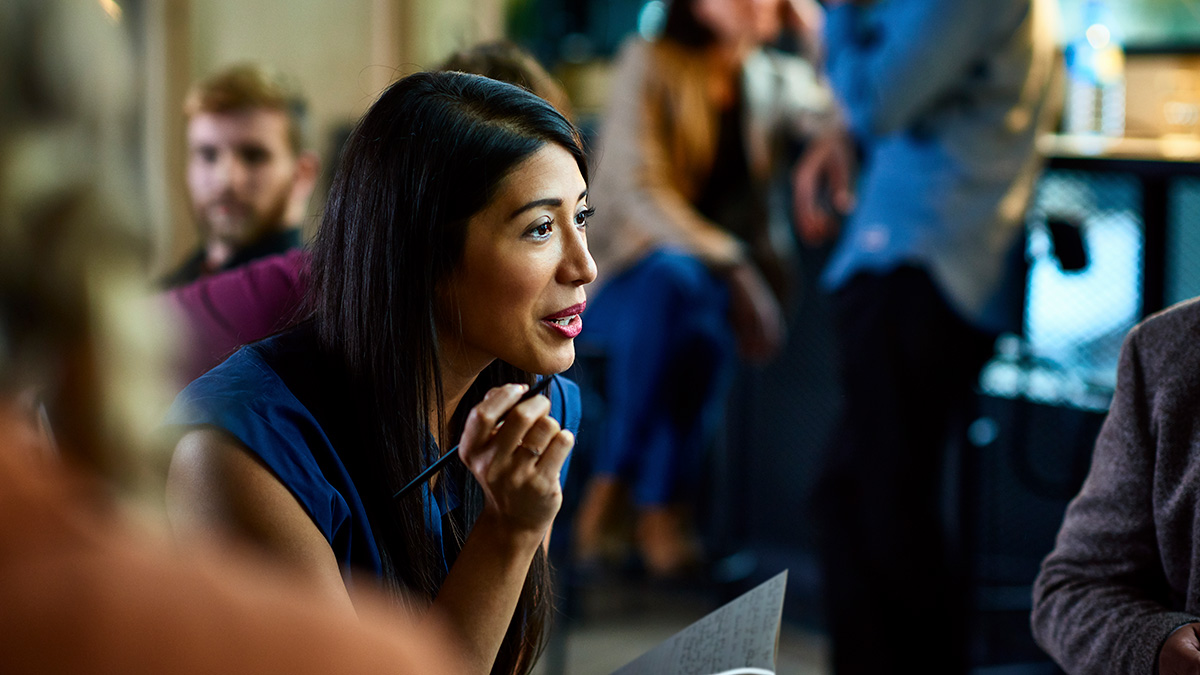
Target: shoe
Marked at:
668, 546
602, 537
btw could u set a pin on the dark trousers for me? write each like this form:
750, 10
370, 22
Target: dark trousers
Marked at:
896, 577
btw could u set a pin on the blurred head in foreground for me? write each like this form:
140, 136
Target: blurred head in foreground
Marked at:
75, 340
84, 588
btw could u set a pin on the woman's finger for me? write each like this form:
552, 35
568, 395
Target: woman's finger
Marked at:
540, 435
556, 452
483, 418
517, 423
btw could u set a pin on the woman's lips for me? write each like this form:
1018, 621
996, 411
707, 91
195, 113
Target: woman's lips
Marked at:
568, 326
567, 322
562, 314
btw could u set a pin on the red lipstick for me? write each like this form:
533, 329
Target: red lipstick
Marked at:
566, 322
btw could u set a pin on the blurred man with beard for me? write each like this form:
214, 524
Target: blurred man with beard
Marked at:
249, 175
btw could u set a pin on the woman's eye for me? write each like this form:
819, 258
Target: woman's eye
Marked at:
581, 218
541, 230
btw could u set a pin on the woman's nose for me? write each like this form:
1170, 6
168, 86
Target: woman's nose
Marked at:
577, 267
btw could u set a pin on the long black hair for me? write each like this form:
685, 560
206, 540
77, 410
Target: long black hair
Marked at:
427, 156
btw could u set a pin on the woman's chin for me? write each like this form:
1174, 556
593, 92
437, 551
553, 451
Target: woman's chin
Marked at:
552, 363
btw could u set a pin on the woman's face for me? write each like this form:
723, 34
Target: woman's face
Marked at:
741, 21
518, 291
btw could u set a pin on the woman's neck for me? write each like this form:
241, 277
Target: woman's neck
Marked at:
457, 378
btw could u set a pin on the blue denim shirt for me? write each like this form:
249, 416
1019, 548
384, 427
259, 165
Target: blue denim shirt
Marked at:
946, 97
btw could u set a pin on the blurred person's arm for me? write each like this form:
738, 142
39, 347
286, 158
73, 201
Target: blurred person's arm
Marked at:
755, 314
807, 19
1101, 600
785, 96
804, 108
823, 186
887, 74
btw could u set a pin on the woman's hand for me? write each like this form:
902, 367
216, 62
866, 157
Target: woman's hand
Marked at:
755, 314
517, 461
515, 450
824, 172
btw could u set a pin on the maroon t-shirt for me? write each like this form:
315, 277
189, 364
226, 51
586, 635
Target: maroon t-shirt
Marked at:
225, 311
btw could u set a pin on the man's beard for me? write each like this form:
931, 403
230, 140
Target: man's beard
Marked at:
239, 225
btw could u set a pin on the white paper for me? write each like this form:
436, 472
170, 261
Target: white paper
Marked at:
741, 638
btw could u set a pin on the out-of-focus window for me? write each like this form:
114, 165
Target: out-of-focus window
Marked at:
1146, 24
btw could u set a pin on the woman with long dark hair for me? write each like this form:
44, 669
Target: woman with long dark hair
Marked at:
448, 271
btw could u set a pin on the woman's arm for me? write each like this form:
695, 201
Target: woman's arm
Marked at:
215, 486
521, 497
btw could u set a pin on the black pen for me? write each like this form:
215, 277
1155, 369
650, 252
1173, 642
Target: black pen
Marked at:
445, 459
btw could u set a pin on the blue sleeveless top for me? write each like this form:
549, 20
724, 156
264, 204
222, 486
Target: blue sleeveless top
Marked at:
287, 411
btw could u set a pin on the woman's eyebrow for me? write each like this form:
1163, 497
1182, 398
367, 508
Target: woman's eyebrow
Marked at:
542, 202
534, 204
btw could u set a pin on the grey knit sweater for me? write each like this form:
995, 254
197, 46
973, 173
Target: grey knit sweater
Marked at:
1125, 570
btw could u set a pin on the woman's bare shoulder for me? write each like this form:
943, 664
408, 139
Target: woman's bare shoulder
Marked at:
216, 487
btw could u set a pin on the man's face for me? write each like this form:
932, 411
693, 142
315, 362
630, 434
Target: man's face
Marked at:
241, 173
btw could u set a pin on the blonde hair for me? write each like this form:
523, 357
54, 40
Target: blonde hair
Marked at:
73, 252
245, 86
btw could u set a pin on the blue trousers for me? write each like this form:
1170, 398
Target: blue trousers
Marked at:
670, 351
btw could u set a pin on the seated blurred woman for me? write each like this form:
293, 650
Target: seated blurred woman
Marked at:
693, 254
448, 270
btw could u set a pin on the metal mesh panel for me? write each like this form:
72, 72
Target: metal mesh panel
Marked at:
1025, 476
1183, 241
1075, 319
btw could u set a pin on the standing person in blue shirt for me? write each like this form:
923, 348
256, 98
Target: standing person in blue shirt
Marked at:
945, 98
449, 269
